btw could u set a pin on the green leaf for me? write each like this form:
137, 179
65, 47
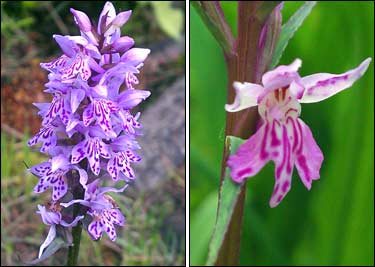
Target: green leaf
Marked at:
56, 244
229, 194
170, 19
289, 28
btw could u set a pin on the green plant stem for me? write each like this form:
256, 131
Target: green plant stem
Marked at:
74, 250
78, 193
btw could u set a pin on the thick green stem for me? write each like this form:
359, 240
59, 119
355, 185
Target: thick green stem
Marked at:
74, 250
78, 193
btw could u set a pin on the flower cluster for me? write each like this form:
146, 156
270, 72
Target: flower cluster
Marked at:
282, 136
88, 130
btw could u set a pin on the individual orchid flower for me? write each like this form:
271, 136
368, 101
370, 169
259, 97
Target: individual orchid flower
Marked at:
53, 174
283, 137
103, 210
53, 218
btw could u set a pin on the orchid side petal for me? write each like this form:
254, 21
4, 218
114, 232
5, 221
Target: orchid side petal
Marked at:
246, 96
324, 85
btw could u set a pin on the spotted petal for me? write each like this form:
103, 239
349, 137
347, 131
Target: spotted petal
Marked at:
47, 136
95, 229
56, 180
108, 225
324, 85
91, 149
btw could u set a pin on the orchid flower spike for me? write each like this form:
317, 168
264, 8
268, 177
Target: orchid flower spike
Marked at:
283, 137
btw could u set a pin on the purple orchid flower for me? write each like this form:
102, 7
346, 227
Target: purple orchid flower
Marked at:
53, 218
283, 137
103, 210
89, 129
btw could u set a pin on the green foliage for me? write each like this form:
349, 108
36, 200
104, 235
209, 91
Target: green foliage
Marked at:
333, 223
170, 19
229, 195
289, 29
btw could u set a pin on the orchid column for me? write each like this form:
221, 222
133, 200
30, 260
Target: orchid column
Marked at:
247, 57
88, 130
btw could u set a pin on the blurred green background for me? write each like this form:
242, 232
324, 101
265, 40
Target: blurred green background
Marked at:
333, 224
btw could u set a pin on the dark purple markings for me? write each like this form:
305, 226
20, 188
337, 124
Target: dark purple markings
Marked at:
244, 172
263, 153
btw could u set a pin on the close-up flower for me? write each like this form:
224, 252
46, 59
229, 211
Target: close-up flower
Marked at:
283, 137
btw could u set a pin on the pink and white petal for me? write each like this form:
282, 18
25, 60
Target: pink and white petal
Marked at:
282, 76
283, 170
309, 157
246, 96
252, 155
50, 237
324, 85
296, 89
95, 229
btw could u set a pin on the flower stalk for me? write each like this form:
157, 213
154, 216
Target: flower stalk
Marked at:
247, 58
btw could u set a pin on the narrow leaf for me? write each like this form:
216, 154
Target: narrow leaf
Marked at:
289, 28
55, 245
213, 16
229, 194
